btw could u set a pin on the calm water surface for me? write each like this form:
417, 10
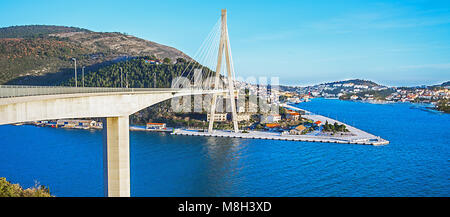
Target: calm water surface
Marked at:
415, 163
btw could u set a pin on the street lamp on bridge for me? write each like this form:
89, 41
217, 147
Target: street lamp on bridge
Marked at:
75, 60
82, 74
121, 80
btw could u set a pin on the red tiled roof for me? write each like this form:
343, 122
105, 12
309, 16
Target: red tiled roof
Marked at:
155, 124
272, 125
300, 128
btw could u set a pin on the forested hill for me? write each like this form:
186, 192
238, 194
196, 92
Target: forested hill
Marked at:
139, 73
444, 84
42, 55
355, 82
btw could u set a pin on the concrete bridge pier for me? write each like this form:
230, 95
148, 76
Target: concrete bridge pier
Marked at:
116, 156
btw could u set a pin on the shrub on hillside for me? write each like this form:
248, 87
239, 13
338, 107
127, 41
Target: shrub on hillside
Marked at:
15, 190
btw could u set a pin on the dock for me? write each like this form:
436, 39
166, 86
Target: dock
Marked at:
376, 141
356, 136
143, 128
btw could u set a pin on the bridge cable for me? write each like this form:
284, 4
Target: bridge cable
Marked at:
198, 53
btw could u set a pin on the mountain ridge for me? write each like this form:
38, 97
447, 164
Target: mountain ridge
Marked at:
353, 81
42, 54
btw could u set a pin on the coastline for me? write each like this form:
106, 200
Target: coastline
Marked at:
357, 136
375, 141
427, 105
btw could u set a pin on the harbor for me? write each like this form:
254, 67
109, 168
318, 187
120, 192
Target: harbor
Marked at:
355, 135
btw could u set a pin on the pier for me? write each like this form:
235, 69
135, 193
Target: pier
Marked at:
376, 141
357, 136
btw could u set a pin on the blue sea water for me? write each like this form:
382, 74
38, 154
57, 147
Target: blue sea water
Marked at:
415, 163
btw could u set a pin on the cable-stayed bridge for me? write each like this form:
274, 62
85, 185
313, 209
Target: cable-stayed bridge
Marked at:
32, 103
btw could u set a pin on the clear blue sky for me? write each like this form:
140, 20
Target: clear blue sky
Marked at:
302, 42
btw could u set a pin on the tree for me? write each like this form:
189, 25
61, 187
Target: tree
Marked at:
181, 61
443, 105
335, 126
326, 126
14, 190
167, 60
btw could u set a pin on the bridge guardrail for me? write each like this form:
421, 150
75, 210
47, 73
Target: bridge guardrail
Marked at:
7, 91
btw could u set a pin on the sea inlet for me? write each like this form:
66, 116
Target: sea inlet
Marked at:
415, 163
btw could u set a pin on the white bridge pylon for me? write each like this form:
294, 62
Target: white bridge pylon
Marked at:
211, 54
224, 46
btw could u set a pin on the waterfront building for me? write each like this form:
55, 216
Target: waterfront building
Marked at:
298, 130
241, 109
315, 93
243, 117
306, 97
288, 94
294, 100
40, 122
98, 125
218, 117
293, 116
270, 118
84, 124
155, 126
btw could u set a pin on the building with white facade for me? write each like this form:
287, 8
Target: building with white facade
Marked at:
270, 118
219, 117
